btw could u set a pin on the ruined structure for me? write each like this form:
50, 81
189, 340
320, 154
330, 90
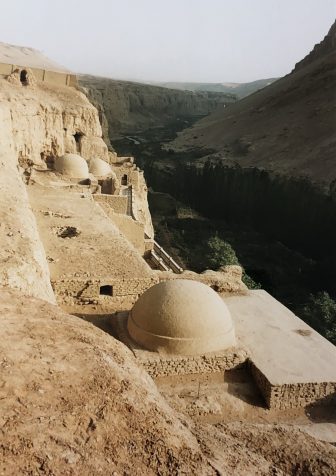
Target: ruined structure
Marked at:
25, 63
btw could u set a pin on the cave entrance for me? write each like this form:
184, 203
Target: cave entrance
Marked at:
124, 180
106, 290
24, 77
77, 138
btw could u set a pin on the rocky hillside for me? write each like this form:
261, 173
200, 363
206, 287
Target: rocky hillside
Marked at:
326, 46
239, 89
288, 127
74, 402
134, 107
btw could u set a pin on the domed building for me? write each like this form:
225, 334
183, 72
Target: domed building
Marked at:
100, 168
72, 165
181, 317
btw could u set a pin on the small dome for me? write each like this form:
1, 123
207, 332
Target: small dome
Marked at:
99, 167
181, 317
72, 165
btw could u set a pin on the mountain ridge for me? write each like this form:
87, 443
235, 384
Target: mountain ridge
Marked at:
287, 127
240, 89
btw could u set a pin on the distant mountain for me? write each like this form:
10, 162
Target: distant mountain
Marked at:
287, 127
240, 89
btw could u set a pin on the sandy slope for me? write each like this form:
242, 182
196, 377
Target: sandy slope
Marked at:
74, 402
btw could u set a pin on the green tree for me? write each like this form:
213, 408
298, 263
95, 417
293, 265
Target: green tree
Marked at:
219, 253
249, 282
320, 313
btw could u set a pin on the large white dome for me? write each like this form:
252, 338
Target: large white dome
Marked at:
99, 167
72, 165
181, 317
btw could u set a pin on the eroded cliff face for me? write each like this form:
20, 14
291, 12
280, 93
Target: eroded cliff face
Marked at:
133, 107
49, 121
37, 123
23, 262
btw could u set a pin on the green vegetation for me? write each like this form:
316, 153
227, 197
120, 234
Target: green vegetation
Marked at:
320, 313
220, 253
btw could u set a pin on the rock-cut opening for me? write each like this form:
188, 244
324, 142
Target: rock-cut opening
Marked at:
77, 136
24, 77
106, 290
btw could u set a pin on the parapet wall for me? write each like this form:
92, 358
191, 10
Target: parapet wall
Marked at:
52, 77
117, 202
294, 395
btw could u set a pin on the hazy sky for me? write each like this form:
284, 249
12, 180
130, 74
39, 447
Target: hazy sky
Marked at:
172, 40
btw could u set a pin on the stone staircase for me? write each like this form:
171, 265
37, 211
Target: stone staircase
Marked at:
158, 258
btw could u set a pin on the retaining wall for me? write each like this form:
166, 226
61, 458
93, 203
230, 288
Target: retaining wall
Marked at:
117, 202
294, 395
83, 289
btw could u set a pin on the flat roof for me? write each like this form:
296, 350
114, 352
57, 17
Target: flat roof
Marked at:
99, 250
29, 57
283, 347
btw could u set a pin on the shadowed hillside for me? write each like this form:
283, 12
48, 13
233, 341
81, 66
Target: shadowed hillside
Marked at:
288, 127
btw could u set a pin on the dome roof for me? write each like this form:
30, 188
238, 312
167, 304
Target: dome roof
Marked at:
181, 317
99, 167
72, 165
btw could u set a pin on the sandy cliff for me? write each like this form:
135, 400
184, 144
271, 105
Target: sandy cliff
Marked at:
22, 258
134, 107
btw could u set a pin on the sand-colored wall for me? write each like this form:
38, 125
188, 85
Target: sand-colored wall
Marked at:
5, 69
84, 290
117, 202
134, 176
51, 77
294, 395
131, 229
136, 179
